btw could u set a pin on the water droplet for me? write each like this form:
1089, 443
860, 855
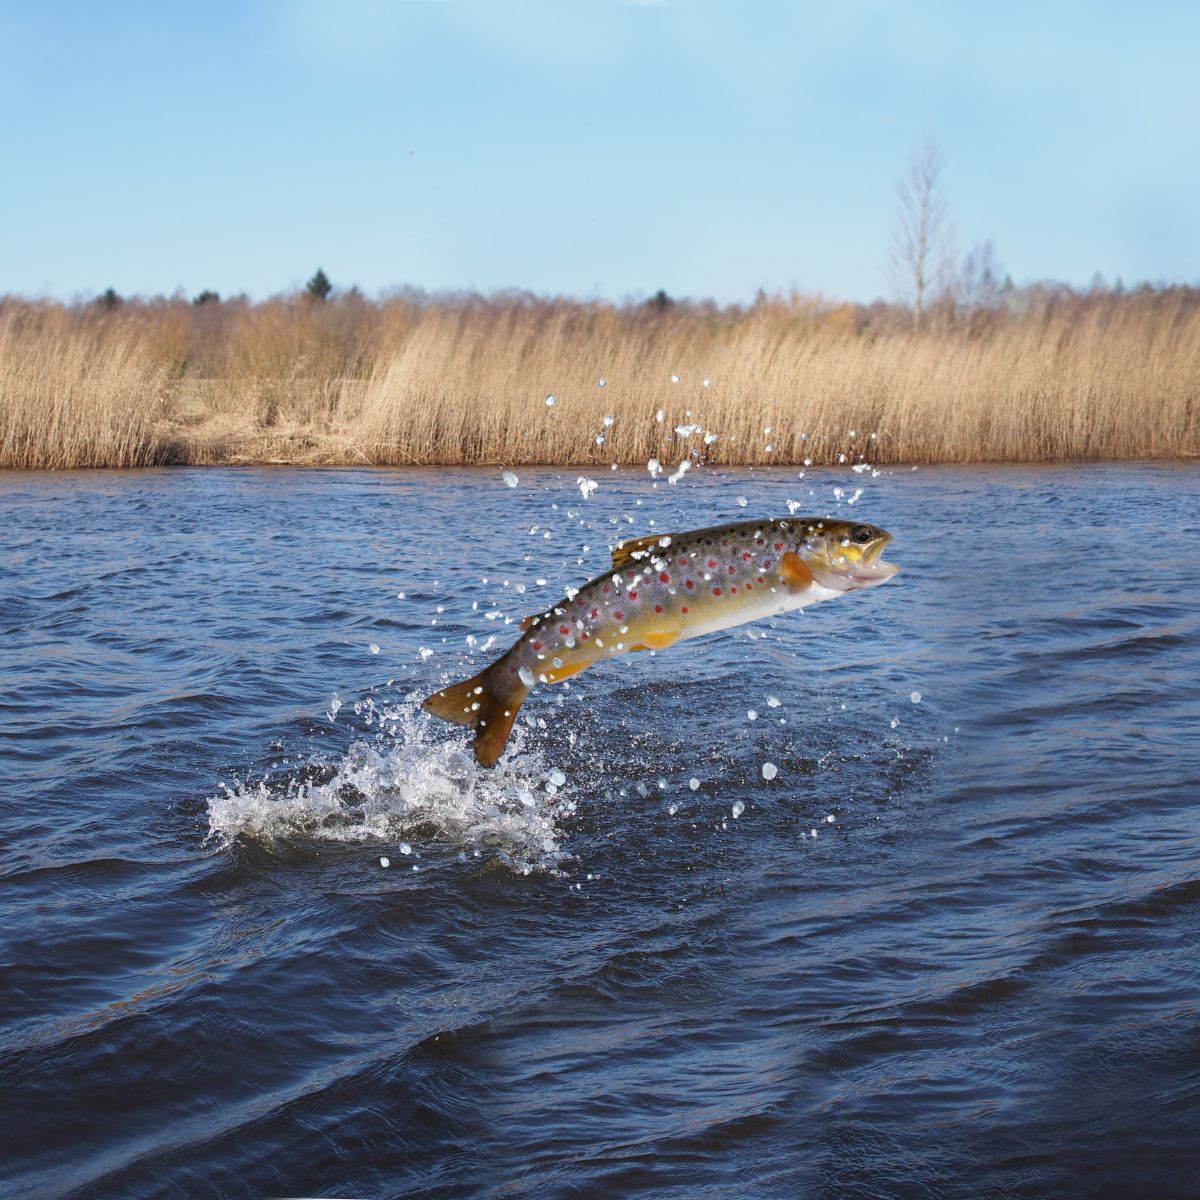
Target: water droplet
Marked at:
769, 770
526, 676
551, 400
694, 783
405, 848
674, 378
374, 647
706, 383
752, 715
772, 702
510, 480
737, 809
742, 502
602, 382
915, 697
384, 861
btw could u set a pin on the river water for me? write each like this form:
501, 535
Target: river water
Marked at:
952, 948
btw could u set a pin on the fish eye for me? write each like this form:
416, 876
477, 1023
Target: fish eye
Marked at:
862, 534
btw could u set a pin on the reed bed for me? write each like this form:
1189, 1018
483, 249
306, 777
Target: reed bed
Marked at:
466, 380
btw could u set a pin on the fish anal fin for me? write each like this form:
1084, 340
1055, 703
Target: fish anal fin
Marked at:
663, 640
794, 572
558, 674
639, 550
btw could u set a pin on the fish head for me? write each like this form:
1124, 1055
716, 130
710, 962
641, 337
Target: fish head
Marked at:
845, 555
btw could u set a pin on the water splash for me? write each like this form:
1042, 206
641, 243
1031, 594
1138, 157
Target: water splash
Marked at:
409, 781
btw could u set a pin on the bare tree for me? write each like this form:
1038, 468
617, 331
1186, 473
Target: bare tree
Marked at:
921, 250
979, 278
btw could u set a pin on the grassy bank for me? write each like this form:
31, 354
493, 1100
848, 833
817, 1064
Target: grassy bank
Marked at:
1046, 376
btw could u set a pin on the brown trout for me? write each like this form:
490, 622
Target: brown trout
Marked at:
664, 589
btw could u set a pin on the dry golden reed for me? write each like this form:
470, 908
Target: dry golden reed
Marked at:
466, 381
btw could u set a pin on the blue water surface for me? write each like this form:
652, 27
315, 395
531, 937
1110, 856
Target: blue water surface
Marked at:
951, 949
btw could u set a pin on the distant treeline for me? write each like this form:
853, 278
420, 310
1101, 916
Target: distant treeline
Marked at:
994, 372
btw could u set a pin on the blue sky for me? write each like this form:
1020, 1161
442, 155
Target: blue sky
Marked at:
585, 147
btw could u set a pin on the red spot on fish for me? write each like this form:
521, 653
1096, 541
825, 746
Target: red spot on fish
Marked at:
683, 562
512, 670
665, 577
585, 637
778, 545
761, 579
733, 589
749, 587
758, 541
618, 615
689, 583
658, 608
564, 629
712, 562
767, 563
633, 595
684, 609
746, 556
605, 589
716, 591
733, 570
537, 645
595, 612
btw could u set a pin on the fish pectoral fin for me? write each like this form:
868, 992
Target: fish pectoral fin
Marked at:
794, 572
663, 640
558, 674
638, 550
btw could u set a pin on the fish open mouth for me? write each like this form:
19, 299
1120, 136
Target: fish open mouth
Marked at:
870, 569
872, 566
875, 550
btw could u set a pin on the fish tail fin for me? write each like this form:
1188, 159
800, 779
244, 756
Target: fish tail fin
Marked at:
488, 702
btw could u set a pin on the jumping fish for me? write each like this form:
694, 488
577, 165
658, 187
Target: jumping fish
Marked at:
663, 589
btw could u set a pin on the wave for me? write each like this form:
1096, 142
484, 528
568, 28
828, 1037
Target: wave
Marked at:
415, 782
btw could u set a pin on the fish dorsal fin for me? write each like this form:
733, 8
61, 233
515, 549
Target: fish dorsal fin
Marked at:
639, 550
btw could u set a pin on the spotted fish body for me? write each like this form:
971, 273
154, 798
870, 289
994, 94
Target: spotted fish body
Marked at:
665, 589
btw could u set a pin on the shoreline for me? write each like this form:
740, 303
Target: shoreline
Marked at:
332, 464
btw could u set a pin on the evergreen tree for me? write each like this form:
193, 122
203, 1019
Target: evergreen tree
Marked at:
319, 287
